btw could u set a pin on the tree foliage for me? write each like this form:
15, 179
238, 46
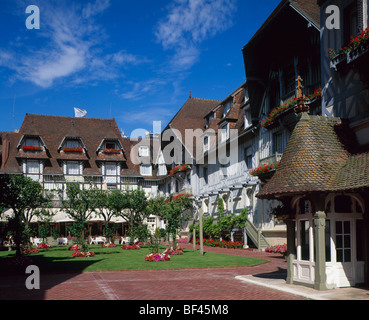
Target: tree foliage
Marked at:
25, 197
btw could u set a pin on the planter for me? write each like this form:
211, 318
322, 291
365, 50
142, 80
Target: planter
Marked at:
31, 148
74, 149
337, 61
357, 53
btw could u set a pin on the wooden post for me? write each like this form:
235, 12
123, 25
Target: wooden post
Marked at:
201, 232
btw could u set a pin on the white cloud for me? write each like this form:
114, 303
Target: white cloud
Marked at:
189, 23
72, 48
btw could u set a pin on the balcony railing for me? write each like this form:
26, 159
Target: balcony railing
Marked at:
274, 158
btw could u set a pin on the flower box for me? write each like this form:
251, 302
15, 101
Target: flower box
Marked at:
72, 149
265, 168
108, 150
179, 168
31, 148
271, 121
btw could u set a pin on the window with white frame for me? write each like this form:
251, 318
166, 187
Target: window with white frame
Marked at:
248, 157
72, 144
35, 142
32, 167
111, 169
224, 132
206, 144
73, 168
209, 118
246, 92
227, 107
247, 117
146, 169
143, 151
162, 170
278, 143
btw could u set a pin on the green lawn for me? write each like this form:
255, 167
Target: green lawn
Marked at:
59, 259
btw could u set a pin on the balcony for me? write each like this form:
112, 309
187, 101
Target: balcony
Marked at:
274, 158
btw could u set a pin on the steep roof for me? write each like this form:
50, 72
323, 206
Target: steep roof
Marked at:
191, 116
318, 158
53, 129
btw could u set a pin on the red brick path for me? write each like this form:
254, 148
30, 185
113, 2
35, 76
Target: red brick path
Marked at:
179, 284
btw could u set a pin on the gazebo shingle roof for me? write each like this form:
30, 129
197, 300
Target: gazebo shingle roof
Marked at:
317, 159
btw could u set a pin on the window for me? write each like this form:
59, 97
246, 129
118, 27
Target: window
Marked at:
205, 174
72, 144
248, 157
32, 142
146, 170
110, 145
278, 145
225, 133
247, 117
343, 241
110, 169
32, 167
350, 22
143, 151
246, 92
209, 118
162, 170
227, 107
206, 144
73, 168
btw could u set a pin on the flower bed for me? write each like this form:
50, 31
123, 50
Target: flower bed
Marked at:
280, 248
157, 257
131, 247
108, 245
75, 247
171, 252
220, 243
81, 254
44, 246
30, 251
264, 168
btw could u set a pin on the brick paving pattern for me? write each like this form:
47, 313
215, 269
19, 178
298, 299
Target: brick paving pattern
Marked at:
175, 284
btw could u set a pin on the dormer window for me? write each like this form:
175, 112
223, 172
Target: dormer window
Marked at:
31, 144
227, 107
143, 151
146, 169
209, 118
72, 145
206, 144
224, 135
247, 116
110, 146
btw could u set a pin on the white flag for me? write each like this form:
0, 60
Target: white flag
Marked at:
79, 113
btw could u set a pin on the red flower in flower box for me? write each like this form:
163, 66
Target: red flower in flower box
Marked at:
109, 150
31, 148
72, 149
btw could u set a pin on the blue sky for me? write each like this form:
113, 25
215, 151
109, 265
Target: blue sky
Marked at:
135, 61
